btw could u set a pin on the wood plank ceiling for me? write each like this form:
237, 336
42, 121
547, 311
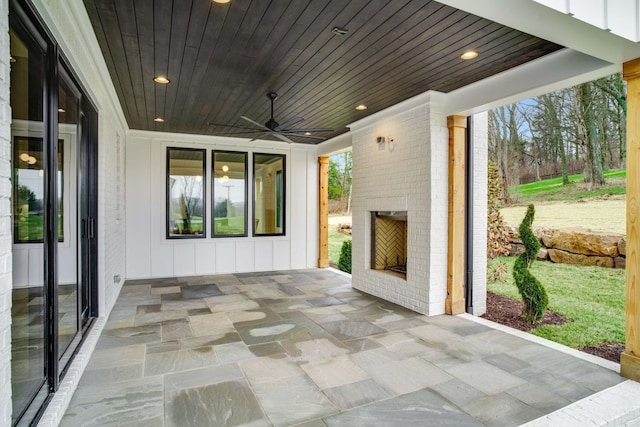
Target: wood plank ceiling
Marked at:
222, 59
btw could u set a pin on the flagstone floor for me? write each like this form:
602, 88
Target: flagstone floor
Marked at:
303, 348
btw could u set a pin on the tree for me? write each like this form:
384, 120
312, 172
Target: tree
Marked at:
547, 125
593, 167
560, 133
340, 167
344, 262
506, 145
534, 296
334, 180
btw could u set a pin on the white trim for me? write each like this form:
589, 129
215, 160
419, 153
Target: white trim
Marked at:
336, 145
545, 342
233, 144
399, 108
555, 71
615, 406
58, 406
539, 20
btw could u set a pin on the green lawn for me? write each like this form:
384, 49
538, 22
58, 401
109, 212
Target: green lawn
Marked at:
335, 243
591, 297
552, 189
231, 225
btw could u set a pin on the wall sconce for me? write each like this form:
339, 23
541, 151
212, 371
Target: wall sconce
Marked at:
386, 142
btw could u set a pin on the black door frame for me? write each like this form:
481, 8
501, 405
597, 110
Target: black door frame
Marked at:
23, 13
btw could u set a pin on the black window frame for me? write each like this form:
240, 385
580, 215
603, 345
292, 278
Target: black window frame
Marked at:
284, 195
168, 196
213, 194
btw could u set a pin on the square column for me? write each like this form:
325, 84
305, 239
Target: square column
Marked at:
630, 358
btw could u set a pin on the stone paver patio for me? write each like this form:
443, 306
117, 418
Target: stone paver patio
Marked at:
303, 348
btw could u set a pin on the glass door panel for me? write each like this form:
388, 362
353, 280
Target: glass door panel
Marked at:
28, 346
68, 127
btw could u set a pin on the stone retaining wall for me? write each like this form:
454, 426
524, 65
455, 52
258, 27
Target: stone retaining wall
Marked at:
575, 245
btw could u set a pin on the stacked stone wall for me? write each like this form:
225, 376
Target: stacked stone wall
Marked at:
576, 245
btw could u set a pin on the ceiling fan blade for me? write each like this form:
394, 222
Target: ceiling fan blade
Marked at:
256, 123
288, 123
231, 126
281, 137
248, 131
306, 130
301, 135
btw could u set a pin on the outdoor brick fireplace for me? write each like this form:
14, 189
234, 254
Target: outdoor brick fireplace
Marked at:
389, 241
400, 205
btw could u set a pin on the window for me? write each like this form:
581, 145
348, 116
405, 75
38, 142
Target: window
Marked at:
229, 194
185, 193
269, 194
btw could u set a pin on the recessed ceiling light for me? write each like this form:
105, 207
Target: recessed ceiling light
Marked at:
158, 120
162, 80
225, 168
470, 54
221, 1
361, 107
61, 110
25, 157
339, 31
308, 133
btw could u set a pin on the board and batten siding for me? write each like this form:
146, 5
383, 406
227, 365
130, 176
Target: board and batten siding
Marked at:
151, 254
621, 17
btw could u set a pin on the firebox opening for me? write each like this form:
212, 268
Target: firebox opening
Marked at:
389, 241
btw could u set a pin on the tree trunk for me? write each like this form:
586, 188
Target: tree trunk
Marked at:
593, 165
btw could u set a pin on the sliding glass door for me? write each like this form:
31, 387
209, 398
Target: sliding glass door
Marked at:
54, 203
29, 298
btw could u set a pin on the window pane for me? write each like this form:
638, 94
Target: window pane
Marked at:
269, 194
229, 194
185, 192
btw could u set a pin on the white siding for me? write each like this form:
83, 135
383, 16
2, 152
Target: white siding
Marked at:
619, 16
151, 254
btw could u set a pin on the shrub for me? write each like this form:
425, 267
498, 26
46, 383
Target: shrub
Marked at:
497, 237
344, 262
533, 293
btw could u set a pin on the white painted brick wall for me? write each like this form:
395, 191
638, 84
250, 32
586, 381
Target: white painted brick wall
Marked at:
480, 157
412, 177
5, 220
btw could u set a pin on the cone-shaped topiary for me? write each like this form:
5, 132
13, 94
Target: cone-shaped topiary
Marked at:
533, 293
344, 262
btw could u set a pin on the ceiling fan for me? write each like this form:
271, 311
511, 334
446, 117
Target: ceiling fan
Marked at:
281, 131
